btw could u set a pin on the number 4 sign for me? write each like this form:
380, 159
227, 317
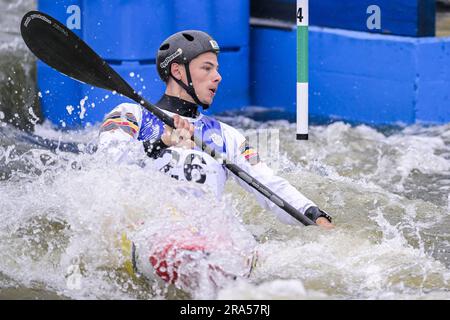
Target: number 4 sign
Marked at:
302, 69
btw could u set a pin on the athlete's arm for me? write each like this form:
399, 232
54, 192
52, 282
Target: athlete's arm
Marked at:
240, 153
121, 128
119, 132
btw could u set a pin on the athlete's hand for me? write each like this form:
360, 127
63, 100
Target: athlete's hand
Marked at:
324, 223
180, 136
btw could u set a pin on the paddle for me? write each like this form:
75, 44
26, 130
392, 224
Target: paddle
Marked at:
64, 51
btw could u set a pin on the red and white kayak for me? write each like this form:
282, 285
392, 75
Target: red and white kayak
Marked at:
188, 260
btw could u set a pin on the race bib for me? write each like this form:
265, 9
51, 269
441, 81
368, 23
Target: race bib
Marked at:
192, 165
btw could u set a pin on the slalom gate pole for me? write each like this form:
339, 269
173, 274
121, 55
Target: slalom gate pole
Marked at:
302, 69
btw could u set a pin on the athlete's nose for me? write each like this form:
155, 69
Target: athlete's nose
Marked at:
217, 77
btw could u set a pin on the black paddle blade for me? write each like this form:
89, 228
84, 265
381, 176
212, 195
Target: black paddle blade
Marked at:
63, 50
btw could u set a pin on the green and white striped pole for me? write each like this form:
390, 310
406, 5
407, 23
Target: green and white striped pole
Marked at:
302, 69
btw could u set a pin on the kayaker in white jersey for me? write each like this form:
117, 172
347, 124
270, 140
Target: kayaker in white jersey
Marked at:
187, 62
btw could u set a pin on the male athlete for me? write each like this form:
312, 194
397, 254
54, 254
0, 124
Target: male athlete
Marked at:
187, 63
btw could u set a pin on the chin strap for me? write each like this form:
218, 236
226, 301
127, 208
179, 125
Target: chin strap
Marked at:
190, 88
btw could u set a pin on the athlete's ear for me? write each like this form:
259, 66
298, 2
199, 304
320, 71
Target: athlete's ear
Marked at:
175, 69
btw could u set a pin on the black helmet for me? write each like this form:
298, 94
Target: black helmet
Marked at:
181, 48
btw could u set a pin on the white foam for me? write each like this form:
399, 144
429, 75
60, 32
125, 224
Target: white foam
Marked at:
384, 245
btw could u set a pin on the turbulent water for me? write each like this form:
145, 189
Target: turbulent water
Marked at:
63, 213
389, 196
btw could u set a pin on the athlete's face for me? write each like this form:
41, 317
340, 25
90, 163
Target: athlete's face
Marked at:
205, 76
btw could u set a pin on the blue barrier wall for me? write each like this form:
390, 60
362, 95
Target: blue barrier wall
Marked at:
127, 35
433, 80
398, 17
362, 77
355, 76
273, 67
60, 94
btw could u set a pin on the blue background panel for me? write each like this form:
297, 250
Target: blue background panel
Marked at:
273, 67
57, 92
63, 91
361, 99
226, 20
362, 77
58, 10
399, 17
127, 34
126, 30
433, 69
355, 76
433, 102
362, 54
133, 30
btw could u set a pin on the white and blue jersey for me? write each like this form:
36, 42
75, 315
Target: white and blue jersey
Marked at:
209, 129
131, 123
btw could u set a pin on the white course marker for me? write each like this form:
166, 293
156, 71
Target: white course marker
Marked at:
302, 69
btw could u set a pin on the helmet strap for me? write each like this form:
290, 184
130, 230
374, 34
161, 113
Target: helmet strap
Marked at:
190, 88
